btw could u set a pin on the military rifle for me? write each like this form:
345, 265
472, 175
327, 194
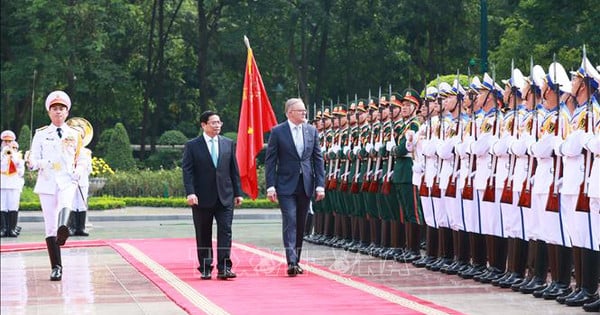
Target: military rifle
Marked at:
525, 197
435, 188
386, 186
451, 188
374, 184
490, 190
552, 204
507, 190
354, 186
583, 199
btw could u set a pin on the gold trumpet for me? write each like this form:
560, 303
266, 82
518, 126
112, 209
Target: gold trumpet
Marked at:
84, 127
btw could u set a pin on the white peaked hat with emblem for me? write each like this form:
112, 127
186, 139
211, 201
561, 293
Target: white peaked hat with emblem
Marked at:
457, 88
445, 89
557, 75
516, 80
537, 77
587, 70
58, 97
8, 135
475, 84
431, 93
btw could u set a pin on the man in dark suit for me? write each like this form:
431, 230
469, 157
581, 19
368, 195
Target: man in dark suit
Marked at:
294, 171
212, 185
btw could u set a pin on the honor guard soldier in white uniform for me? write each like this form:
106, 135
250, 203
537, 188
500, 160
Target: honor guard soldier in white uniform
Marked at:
581, 223
12, 169
55, 151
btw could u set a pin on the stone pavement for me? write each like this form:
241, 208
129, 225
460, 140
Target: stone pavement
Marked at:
111, 285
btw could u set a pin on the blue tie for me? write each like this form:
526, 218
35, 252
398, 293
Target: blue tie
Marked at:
213, 151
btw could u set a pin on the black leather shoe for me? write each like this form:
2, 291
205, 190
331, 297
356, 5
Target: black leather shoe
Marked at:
561, 299
506, 275
535, 284
583, 297
550, 288
517, 286
292, 270
56, 274
512, 279
226, 274
494, 274
421, 263
299, 269
205, 274
559, 290
592, 307
473, 271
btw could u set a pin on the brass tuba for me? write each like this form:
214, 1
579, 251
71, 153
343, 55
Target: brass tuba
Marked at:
84, 127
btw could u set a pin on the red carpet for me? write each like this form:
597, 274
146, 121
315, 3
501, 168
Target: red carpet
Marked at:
262, 286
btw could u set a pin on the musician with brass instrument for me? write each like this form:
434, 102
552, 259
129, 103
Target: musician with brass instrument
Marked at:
55, 151
580, 221
77, 217
11, 185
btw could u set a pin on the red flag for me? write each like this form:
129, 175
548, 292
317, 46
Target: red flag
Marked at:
256, 118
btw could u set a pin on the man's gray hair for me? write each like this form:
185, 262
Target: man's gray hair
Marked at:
291, 102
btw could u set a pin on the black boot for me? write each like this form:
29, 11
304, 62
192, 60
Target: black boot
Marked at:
13, 217
55, 259
72, 223
3, 223
62, 233
80, 228
589, 283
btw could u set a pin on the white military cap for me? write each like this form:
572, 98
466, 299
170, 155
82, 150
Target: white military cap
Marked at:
8, 135
587, 70
445, 89
517, 80
557, 75
475, 84
457, 88
431, 93
58, 97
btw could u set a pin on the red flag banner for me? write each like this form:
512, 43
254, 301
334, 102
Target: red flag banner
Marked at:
256, 118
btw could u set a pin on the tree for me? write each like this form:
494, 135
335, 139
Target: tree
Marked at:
119, 154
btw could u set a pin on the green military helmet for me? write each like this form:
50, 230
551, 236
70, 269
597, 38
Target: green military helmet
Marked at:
411, 95
340, 110
362, 107
396, 99
326, 114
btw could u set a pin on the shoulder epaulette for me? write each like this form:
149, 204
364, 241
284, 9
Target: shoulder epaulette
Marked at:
41, 128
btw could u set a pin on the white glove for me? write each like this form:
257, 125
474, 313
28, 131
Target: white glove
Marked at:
377, 146
418, 168
369, 147
389, 146
75, 176
322, 149
355, 150
346, 150
410, 135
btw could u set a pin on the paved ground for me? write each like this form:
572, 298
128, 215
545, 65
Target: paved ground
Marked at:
107, 284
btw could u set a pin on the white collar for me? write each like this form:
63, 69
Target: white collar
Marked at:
292, 125
208, 139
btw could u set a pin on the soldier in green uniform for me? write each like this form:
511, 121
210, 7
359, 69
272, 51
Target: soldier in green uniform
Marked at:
405, 191
361, 133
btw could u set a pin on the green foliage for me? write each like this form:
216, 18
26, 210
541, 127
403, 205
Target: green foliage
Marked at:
108, 202
119, 153
146, 183
172, 137
231, 135
104, 142
24, 138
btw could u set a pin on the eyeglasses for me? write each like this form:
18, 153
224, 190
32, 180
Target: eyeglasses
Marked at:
215, 123
299, 110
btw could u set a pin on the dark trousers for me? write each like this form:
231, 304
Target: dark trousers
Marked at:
293, 214
203, 221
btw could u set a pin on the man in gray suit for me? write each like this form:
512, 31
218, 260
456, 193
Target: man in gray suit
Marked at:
212, 185
294, 171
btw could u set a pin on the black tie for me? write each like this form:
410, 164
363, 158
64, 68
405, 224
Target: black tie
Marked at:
59, 130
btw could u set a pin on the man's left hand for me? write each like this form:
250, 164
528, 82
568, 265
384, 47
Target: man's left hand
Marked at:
238, 201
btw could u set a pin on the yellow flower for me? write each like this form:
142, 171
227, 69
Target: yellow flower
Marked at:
100, 168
